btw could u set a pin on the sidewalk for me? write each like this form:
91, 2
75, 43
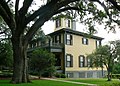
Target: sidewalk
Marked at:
70, 81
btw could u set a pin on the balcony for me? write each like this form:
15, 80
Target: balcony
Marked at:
52, 47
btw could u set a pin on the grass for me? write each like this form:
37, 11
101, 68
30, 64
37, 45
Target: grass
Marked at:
99, 82
38, 83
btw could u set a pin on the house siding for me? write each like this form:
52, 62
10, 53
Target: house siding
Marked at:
77, 49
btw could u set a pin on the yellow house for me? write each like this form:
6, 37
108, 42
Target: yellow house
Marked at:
71, 47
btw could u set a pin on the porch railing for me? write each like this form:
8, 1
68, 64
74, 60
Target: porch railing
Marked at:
47, 45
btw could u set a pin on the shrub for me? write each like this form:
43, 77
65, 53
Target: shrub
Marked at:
116, 76
63, 76
5, 75
60, 75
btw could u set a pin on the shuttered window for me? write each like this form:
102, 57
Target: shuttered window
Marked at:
69, 60
58, 39
85, 41
69, 39
98, 43
81, 61
58, 23
67, 22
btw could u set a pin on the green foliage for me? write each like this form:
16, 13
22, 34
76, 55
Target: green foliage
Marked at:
60, 75
6, 58
116, 68
63, 76
41, 61
106, 55
116, 76
6, 74
1, 20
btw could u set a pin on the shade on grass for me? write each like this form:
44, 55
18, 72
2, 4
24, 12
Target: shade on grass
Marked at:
38, 83
99, 82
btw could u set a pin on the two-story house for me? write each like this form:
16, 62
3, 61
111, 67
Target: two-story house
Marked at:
71, 48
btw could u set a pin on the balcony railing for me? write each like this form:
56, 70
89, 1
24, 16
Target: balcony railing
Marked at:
47, 45
54, 45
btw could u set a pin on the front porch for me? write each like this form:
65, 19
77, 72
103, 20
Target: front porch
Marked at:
55, 48
59, 62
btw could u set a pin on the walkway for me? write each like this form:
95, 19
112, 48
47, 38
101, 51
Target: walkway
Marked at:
70, 81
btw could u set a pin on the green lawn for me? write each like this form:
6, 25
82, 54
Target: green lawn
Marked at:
99, 82
38, 83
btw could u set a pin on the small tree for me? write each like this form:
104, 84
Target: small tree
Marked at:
41, 60
106, 55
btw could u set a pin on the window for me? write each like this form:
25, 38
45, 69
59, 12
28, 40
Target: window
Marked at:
69, 60
53, 40
69, 39
88, 62
85, 41
98, 43
67, 22
70, 75
58, 39
81, 61
58, 23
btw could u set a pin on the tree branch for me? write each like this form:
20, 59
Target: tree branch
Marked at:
40, 11
16, 9
49, 13
106, 10
20, 15
49, 10
2, 32
8, 1
67, 8
115, 4
24, 9
7, 15
57, 3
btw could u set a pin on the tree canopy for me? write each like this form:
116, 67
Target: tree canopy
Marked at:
106, 56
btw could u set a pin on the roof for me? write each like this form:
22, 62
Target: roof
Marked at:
63, 30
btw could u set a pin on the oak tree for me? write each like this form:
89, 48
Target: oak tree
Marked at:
18, 17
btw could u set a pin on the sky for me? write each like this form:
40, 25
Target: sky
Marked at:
49, 26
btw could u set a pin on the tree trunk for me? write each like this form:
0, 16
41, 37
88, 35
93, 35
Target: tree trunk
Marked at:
20, 67
109, 75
